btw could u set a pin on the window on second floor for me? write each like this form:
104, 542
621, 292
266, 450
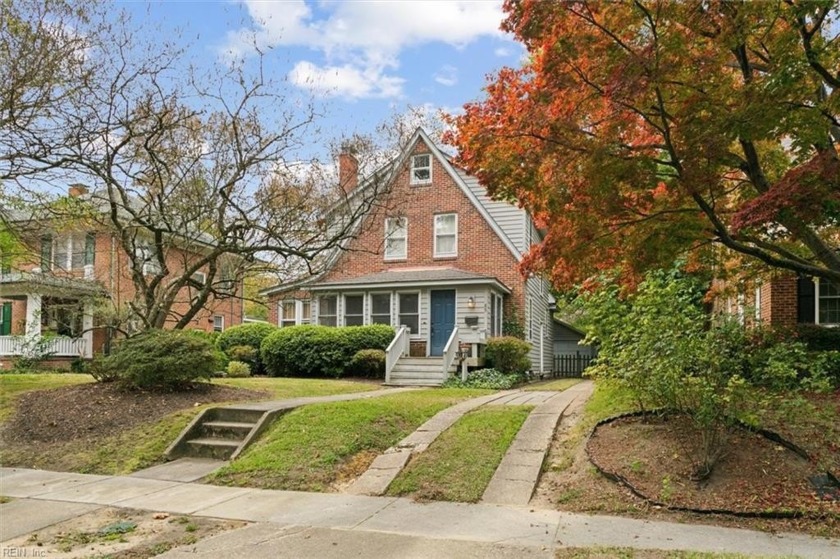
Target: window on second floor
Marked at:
396, 238
146, 257
421, 169
70, 251
446, 235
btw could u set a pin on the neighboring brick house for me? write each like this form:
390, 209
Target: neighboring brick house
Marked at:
443, 261
784, 300
54, 294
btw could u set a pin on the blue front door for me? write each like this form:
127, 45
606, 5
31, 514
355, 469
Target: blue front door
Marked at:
442, 319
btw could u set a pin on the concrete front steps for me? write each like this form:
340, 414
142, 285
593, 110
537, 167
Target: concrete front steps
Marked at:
418, 371
218, 433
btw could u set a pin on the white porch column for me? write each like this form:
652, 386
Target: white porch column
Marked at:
33, 315
87, 329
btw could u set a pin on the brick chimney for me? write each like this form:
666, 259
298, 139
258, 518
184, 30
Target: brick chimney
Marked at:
77, 190
348, 171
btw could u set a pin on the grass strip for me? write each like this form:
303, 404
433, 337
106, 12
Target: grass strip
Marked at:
286, 388
309, 448
559, 385
630, 553
459, 464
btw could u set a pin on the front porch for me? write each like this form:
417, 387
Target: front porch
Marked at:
46, 316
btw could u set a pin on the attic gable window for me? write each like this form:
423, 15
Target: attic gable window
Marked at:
421, 169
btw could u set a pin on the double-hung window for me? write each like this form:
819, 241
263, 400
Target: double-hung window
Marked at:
410, 311
380, 308
288, 310
72, 251
828, 302
218, 323
328, 310
396, 238
421, 169
446, 235
354, 310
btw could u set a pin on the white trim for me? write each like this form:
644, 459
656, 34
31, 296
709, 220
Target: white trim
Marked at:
410, 285
817, 304
222, 323
757, 302
362, 314
414, 333
370, 313
414, 180
437, 253
390, 236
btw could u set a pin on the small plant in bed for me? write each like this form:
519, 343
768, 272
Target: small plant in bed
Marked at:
485, 378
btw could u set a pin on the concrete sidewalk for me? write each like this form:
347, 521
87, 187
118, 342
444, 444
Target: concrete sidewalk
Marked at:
362, 522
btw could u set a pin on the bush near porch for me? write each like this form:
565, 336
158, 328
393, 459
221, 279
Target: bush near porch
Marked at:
232, 340
316, 351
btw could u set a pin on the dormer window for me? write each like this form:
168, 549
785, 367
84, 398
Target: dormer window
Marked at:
421, 169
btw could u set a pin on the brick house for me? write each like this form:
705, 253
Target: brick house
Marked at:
785, 300
440, 265
53, 295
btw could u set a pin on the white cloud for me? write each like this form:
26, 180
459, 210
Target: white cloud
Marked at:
362, 41
502, 52
345, 80
447, 75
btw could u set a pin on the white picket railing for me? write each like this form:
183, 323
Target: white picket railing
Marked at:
450, 351
57, 347
399, 347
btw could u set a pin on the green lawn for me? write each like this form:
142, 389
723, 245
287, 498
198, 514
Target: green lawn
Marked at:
283, 388
310, 447
14, 384
459, 464
559, 384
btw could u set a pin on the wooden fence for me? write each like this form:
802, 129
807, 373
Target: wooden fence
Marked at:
571, 365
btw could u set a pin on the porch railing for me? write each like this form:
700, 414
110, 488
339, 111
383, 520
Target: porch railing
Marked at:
57, 347
450, 351
399, 347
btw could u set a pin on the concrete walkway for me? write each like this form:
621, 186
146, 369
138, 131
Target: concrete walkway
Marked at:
345, 525
389, 464
516, 478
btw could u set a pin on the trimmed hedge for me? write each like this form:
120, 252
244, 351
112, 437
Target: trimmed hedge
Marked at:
251, 335
819, 338
315, 351
368, 363
159, 360
508, 355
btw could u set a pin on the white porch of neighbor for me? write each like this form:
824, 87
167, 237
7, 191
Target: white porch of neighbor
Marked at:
60, 346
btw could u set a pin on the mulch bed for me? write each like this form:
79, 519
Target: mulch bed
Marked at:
757, 476
87, 411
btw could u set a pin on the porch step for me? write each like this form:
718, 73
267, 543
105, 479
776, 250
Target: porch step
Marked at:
418, 371
220, 449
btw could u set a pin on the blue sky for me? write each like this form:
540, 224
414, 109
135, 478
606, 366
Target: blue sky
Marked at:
366, 60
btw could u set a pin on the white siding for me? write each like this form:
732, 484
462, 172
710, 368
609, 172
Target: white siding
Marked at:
508, 217
538, 322
478, 333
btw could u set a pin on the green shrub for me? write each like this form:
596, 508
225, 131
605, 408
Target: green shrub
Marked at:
311, 350
251, 335
485, 378
368, 363
508, 354
819, 338
211, 337
244, 353
238, 369
160, 360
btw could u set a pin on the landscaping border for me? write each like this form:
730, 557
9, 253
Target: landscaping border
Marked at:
770, 435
